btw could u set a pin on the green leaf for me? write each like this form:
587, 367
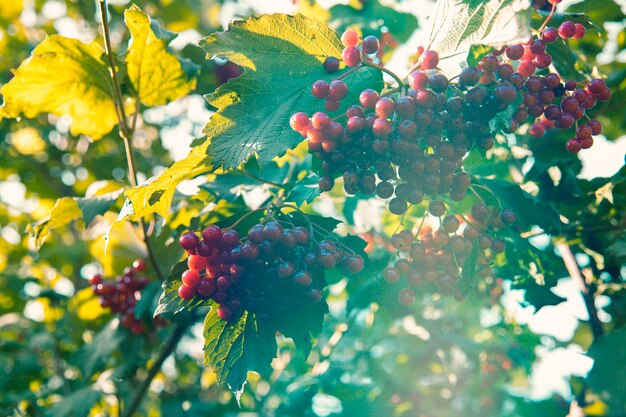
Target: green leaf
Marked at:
233, 348
67, 209
155, 195
372, 17
610, 10
305, 190
64, 77
541, 296
529, 210
282, 56
457, 25
169, 301
77, 404
608, 373
618, 249
157, 75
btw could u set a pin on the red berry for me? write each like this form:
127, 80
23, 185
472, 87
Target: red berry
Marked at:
580, 31
596, 126
303, 278
586, 143
351, 56
417, 80
550, 34
567, 29
186, 293
230, 238
212, 234
350, 38
320, 120
406, 297
338, 89
368, 98
596, 86
139, 265
354, 263
206, 288
384, 107
95, 280
320, 89
370, 44
430, 59
191, 278
196, 262
224, 313
573, 145
391, 274
189, 241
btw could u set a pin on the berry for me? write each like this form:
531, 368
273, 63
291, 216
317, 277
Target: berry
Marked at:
331, 64
550, 34
350, 39
573, 145
299, 121
212, 234
196, 262
391, 274
368, 98
351, 56
417, 80
429, 59
406, 297
186, 293
437, 208
320, 89
224, 313
567, 29
191, 278
370, 45
338, 90
580, 31
189, 241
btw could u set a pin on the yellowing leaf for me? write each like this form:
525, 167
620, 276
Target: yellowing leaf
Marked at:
157, 75
64, 211
64, 77
155, 196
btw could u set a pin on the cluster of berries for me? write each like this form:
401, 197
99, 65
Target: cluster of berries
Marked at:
273, 270
122, 295
438, 257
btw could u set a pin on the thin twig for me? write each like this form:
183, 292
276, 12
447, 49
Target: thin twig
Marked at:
168, 348
588, 296
126, 132
385, 70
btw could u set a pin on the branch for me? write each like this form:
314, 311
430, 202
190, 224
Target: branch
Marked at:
572, 267
126, 132
168, 348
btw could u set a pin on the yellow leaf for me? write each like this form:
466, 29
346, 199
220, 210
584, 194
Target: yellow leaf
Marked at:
64, 77
157, 75
27, 141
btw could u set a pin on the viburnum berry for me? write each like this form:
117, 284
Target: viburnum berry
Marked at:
349, 39
370, 45
331, 64
567, 29
351, 56
320, 89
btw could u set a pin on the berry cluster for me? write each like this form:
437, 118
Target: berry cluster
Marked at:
547, 101
122, 295
272, 271
438, 257
410, 145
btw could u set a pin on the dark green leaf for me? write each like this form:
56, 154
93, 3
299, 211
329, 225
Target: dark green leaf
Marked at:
282, 56
528, 210
608, 373
77, 404
170, 302
233, 348
371, 17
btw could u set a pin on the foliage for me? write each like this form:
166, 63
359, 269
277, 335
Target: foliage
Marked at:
68, 212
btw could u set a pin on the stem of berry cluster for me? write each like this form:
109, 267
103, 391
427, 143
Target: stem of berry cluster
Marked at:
588, 296
545, 22
126, 132
385, 70
167, 350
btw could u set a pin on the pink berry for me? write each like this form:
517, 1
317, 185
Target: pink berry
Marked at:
191, 278
351, 56
350, 39
186, 293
